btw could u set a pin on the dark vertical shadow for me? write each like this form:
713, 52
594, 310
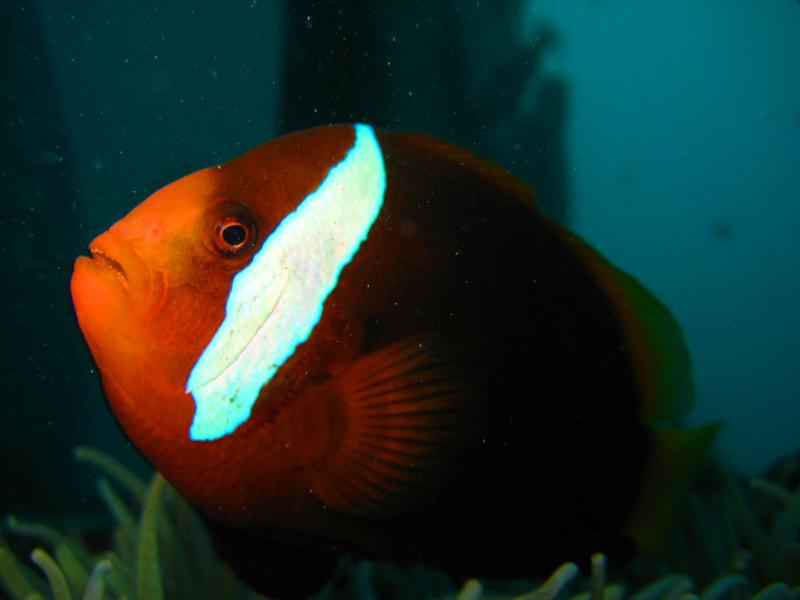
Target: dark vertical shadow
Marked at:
410, 67
41, 353
332, 66
529, 140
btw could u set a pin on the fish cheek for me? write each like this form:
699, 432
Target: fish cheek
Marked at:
177, 334
197, 286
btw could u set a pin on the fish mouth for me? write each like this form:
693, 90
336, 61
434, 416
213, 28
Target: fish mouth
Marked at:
116, 265
105, 259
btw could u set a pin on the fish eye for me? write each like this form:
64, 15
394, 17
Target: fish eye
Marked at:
233, 235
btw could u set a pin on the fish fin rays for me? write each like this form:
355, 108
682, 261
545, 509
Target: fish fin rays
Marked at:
412, 411
658, 348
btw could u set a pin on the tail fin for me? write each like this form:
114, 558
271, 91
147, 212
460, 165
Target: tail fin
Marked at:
657, 346
676, 455
664, 372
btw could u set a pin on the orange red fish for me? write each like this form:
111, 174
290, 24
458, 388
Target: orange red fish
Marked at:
357, 341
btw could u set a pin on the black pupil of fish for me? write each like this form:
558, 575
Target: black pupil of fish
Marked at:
234, 235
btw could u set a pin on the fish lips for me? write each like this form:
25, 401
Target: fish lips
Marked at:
115, 274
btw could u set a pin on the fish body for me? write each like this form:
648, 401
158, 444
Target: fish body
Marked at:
349, 340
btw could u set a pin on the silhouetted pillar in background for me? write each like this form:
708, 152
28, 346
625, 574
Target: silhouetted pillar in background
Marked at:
332, 71
436, 67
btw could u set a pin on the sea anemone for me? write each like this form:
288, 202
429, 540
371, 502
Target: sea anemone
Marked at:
735, 543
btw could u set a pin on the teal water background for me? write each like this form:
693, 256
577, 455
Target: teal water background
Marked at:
684, 146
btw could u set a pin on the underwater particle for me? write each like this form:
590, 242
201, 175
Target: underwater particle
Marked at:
51, 158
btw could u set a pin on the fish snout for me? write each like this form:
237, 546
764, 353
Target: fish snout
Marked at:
118, 257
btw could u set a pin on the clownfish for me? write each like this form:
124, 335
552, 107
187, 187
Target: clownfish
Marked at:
354, 341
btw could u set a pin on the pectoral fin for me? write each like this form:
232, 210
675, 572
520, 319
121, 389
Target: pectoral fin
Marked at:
412, 411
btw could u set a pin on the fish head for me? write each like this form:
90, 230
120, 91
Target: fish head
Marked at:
155, 291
